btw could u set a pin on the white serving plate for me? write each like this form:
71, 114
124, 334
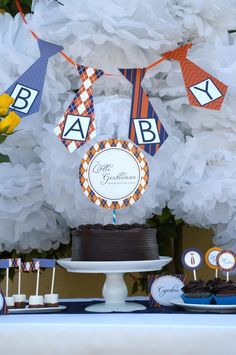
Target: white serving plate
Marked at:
27, 310
204, 307
114, 266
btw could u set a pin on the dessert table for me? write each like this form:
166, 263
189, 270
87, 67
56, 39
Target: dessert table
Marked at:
116, 333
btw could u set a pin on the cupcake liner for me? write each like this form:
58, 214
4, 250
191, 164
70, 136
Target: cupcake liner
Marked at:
197, 294
195, 300
225, 300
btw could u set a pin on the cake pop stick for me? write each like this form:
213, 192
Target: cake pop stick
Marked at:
37, 283
19, 281
7, 281
210, 259
53, 279
192, 260
226, 260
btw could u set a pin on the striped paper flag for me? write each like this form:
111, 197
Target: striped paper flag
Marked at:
145, 128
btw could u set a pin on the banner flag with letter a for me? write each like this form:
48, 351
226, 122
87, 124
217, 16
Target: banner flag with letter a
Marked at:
77, 126
145, 128
27, 89
203, 89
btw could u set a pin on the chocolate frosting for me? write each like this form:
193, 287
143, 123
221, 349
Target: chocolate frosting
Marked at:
224, 287
110, 242
213, 282
124, 226
195, 286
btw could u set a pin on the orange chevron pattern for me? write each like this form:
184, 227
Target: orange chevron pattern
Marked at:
193, 75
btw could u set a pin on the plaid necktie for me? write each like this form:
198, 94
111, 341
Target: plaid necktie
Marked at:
78, 124
142, 112
27, 89
203, 89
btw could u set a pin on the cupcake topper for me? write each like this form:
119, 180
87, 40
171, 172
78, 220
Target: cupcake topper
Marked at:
210, 259
226, 260
192, 260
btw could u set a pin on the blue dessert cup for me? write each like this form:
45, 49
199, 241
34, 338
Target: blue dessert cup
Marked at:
225, 300
196, 300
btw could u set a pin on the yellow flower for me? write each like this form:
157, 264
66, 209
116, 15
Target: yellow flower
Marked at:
9, 123
5, 102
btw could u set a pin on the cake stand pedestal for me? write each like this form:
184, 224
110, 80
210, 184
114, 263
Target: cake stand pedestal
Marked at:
114, 290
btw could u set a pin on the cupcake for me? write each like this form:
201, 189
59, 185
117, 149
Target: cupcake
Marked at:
196, 292
225, 292
213, 282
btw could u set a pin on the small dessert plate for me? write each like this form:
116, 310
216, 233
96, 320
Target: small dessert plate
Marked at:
215, 308
28, 310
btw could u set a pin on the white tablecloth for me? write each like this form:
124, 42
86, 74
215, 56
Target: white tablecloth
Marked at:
108, 334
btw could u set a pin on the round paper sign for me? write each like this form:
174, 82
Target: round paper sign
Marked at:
114, 174
226, 260
211, 257
192, 258
166, 288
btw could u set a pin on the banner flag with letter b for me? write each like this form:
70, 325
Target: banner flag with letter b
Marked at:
27, 89
145, 128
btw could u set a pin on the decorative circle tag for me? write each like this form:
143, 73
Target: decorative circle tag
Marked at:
192, 258
211, 256
226, 260
114, 173
166, 288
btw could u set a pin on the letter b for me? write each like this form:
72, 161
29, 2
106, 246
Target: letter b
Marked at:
24, 98
146, 130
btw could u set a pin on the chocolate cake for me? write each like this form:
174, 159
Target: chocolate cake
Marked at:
114, 243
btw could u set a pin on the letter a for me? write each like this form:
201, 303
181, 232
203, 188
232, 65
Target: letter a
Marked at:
81, 107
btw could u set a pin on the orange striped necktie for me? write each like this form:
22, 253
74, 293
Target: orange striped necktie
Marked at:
145, 128
203, 89
77, 126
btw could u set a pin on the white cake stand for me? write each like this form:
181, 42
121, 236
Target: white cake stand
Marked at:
114, 290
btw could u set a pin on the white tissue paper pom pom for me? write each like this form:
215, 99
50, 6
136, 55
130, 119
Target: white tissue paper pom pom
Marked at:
205, 171
26, 221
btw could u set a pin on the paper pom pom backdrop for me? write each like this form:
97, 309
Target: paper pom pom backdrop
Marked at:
193, 172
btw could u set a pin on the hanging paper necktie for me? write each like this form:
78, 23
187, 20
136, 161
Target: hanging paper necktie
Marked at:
77, 126
27, 89
145, 128
203, 89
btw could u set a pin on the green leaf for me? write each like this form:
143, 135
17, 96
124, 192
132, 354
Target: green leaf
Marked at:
4, 158
2, 138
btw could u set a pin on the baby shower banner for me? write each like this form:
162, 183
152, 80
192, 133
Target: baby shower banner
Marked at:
78, 124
